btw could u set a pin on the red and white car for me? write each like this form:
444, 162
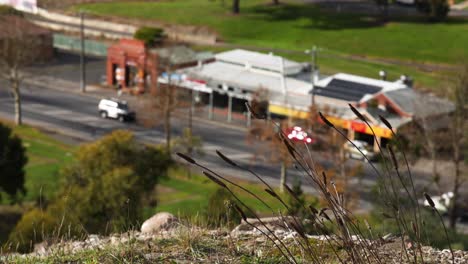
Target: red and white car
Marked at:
297, 134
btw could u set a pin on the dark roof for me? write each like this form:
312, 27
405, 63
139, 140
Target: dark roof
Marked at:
346, 90
419, 104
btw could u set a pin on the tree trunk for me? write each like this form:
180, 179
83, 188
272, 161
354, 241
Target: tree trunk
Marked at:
17, 99
284, 175
235, 6
275, 2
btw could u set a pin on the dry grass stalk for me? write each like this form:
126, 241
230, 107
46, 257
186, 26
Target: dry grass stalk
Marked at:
340, 228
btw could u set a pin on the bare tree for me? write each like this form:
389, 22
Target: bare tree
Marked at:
161, 102
458, 129
274, 149
19, 48
430, 138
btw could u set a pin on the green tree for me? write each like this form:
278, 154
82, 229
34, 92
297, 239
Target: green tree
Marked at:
149, 35
107, 184
297, 203
12, 161
105, 189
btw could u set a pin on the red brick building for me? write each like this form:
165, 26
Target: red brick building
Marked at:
130, 65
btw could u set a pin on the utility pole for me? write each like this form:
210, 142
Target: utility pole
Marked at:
190, 133
82, 54
285, 91
313, 70
190, 126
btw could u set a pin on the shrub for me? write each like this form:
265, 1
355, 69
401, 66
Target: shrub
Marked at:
220, 211
149, 35
8, 10
12, 161
102, 192
298, 204
34, 226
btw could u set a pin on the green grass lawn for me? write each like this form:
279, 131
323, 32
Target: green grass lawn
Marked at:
45, 158
298, 26
176, 194
188, 197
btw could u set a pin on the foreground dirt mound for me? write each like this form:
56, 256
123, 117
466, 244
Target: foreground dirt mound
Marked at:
196, 245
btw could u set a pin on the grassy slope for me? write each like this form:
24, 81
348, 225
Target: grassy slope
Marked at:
298, 26
177, 194
186, 197
45, 157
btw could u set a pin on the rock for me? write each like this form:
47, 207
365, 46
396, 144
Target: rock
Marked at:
41, 248
273, 224
159, 222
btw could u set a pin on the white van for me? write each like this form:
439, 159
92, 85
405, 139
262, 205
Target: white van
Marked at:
360, 147
115, 108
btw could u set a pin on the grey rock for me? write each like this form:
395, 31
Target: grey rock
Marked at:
159, 222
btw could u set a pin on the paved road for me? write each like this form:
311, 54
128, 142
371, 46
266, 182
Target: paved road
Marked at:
76, 114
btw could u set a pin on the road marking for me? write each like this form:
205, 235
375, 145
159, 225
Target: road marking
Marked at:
239, 156
211, 147
55, 112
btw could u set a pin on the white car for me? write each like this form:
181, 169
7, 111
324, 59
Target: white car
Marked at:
406, 2
441, 203
115, 108
362, 146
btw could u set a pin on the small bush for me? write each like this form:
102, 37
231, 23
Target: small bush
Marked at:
220, 211
12, 161
102, 192
298, 204
149, 35
8, 10
34, 226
